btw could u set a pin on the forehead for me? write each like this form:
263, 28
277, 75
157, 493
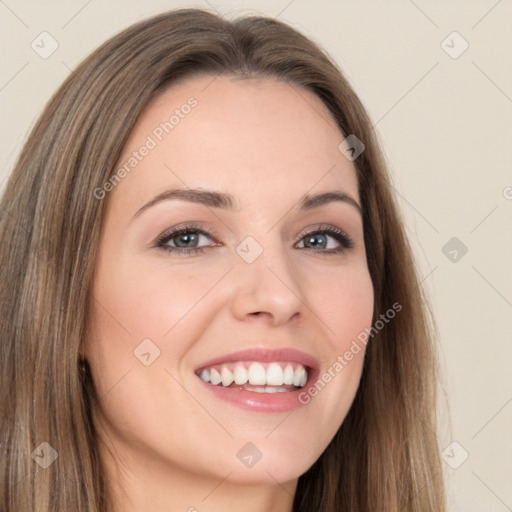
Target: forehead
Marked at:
261, 140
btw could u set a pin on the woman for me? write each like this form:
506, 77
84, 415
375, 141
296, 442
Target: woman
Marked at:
209, 301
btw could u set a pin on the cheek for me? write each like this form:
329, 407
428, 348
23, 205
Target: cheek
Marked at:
133, 302
344, 302
150, 300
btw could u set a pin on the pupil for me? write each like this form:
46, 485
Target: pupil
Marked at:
313, 241
185, 238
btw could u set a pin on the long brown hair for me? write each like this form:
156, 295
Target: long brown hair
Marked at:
385, 455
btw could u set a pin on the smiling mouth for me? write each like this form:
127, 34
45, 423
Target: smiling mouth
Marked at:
259, 377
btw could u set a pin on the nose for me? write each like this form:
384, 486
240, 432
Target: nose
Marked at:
268, 289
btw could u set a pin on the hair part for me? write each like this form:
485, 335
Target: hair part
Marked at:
384, 456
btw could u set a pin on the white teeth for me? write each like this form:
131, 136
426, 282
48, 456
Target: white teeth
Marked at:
298, 377
269, 389
215, 377
227, 377
274, 375
257, 374
240, 374
288, 375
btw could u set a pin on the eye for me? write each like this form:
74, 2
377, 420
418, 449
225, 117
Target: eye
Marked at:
184, 240
326, 240
322, 238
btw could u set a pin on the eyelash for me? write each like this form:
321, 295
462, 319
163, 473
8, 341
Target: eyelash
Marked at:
340, 236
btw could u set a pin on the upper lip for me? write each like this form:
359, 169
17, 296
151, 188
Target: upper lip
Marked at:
265, 355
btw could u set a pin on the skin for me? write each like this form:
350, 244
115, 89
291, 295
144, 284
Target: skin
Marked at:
166, 442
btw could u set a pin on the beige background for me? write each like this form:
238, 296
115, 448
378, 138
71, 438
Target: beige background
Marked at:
446, 127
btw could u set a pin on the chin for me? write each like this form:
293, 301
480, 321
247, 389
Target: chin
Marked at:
266, 462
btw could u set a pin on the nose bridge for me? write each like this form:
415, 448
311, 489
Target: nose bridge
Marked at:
266, 282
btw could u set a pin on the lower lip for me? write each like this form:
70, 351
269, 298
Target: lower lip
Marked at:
261, 402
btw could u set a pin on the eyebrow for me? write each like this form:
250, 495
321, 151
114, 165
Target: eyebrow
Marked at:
225, 201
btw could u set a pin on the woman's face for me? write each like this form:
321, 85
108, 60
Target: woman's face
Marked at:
265, 269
